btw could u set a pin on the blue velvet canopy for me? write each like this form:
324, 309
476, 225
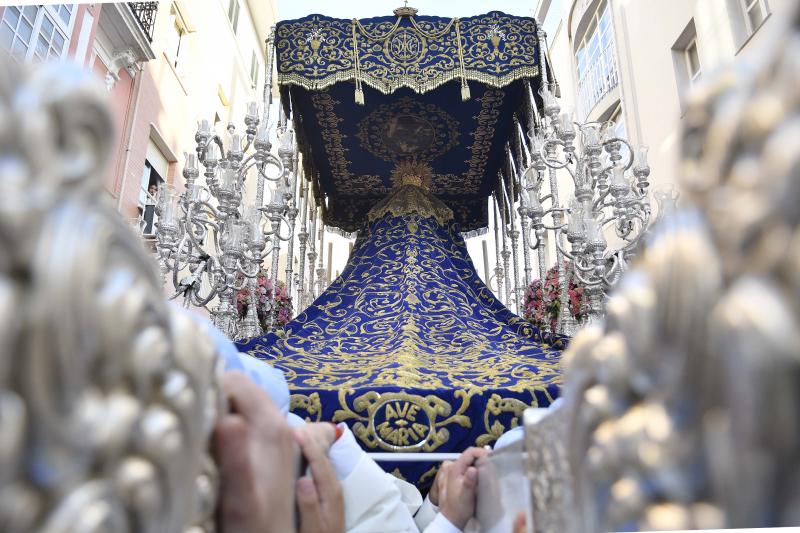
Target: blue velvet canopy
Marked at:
437, 91
409, 346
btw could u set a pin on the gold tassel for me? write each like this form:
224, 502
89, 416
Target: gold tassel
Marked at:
464, 85
357, 64
464, 91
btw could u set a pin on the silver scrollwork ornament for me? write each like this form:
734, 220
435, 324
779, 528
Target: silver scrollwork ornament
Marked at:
684, 405
107, 395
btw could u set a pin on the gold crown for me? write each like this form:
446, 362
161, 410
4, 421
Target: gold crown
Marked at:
412, 173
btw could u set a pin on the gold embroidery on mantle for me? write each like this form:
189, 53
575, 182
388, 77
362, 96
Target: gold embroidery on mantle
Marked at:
398, 421
496, 406
311, 404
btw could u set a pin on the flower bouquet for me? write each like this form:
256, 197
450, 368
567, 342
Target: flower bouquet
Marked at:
543, 303
271, 301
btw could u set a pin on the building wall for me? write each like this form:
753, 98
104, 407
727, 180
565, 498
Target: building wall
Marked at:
212, 78
650, 90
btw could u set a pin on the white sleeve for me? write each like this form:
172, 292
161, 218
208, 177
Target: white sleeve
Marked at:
373, 503
426, 514
441, 524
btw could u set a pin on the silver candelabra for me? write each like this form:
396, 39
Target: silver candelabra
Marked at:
610, 200
610, 195
211, 240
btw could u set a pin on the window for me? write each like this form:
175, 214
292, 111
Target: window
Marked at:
37, 33
233, 14
151, 181
617, 128
692, 61
755, 12
595, 58
686, 61
156, 167
175, 39
254, 69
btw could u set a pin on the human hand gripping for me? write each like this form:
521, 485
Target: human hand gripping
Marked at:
458, 489
257, 458
319, 496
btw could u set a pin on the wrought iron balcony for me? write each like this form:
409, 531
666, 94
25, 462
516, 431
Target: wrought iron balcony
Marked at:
598, 80
145, 13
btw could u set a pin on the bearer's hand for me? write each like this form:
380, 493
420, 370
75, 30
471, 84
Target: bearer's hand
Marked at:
459, 488
319, 496
257, 459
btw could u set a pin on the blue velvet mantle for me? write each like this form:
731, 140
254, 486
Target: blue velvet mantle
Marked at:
411, 349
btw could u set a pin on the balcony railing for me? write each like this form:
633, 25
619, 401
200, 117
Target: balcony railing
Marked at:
601, 77
145, 13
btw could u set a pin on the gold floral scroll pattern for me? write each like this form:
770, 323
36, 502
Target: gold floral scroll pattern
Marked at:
410, 199
420, 280
364, 185
399, 421
486, 120
310, 403
419, 52
374, 139
494, 407
407, 129
329, 121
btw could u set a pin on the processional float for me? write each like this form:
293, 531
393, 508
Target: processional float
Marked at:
680, 411
403, 127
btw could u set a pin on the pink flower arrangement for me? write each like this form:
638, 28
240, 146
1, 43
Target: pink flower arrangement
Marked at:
543, 303
269, 299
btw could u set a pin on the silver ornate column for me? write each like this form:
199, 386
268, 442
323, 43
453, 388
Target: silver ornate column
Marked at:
292, 212
312, 254
302, 238
498, 267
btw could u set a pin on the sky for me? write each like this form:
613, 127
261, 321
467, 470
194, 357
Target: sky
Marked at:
347, 9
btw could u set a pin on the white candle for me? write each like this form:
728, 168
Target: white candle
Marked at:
642, 156
591, 135
236, 143
618, 177
212, 153
227, 180
252, 109
566, 123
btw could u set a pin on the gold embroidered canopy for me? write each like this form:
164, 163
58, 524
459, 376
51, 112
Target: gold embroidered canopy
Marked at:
429, 91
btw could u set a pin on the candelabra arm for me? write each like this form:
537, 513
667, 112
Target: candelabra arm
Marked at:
583, 268
562, 251
629, 164
269, 159
611, 272
553, 162
599, 204
554, 228
247, 271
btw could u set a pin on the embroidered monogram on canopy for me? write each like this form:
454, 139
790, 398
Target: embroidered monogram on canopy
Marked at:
370, 96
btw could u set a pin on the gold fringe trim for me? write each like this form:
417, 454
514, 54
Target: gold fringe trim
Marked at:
389, 86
